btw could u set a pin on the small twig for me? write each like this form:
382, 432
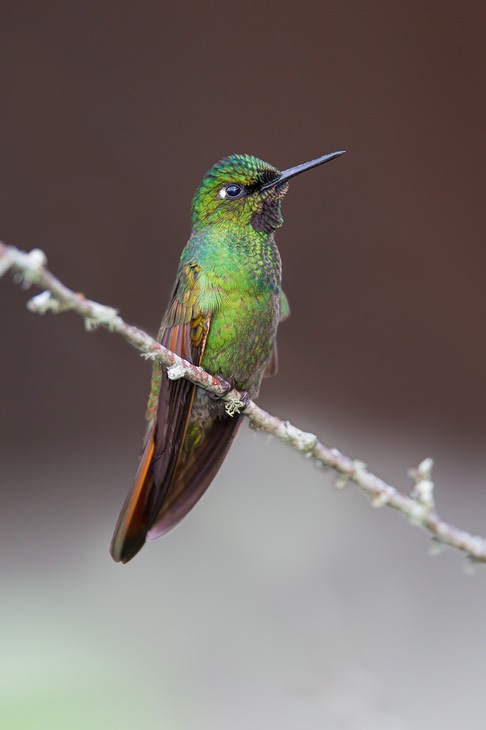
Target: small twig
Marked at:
419, 507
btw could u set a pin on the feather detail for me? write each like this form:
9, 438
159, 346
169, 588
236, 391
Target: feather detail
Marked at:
126, 540
194, 474
272, 366
175, 469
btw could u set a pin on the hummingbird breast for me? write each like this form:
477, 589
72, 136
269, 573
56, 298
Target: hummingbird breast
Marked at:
244, 325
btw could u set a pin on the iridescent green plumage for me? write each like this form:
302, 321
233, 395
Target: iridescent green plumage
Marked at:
223, 315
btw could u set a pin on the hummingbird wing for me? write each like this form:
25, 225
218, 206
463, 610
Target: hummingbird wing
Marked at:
169, 482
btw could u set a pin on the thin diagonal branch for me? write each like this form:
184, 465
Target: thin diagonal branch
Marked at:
419, 508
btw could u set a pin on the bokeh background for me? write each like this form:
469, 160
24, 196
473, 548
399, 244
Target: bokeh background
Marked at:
280, 602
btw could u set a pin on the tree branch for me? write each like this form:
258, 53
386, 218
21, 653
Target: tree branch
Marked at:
419, 508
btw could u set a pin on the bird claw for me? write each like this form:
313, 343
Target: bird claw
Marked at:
245, 398
229, 384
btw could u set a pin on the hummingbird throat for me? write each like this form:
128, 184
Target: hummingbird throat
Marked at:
268, 216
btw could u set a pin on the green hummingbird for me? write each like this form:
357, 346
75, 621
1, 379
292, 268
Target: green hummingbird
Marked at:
223, 315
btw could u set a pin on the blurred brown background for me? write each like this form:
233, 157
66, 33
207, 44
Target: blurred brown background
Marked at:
280, 602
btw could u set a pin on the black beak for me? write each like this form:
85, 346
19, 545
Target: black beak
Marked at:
293, 171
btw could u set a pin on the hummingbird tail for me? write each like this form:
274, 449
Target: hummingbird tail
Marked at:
173, 473
194, 473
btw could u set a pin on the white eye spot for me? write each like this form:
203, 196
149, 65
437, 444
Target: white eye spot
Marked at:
222, 193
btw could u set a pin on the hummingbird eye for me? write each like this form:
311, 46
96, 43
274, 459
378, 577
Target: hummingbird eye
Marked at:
232, 191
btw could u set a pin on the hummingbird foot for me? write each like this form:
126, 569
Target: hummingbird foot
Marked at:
228, 385
235, 405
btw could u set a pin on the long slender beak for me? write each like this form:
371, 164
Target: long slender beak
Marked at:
293, 171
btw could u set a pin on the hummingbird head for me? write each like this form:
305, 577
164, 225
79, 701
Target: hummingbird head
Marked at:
245, 191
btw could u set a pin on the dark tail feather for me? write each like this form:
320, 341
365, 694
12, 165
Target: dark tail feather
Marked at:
131, 528
194, 475
156, 468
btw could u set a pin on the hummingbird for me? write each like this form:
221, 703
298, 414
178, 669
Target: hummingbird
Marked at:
223, 315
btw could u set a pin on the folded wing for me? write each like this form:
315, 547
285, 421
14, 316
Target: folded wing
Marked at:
171, 477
